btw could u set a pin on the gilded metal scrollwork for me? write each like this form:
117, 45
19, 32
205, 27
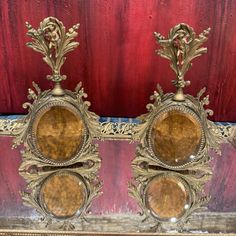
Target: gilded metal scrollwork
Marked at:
180, 48
114, 131
52, 40
83, 163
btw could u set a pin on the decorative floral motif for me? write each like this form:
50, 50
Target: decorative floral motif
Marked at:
52, 40
181, 47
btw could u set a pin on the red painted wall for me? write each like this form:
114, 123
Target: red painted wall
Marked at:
116, 60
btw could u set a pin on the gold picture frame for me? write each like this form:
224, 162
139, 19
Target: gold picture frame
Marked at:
183, 127
58, 119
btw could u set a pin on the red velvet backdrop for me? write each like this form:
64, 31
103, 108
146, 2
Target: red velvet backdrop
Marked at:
116, 60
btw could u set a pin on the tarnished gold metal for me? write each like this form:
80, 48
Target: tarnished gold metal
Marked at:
232, 137
52, 40
82, 162
115, 130
181, 47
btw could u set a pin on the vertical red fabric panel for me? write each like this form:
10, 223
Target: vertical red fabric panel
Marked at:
116, 60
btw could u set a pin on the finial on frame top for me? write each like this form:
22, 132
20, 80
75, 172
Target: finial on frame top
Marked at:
181, 47
52, 40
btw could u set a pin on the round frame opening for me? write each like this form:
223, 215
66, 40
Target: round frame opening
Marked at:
63, 195
168, 197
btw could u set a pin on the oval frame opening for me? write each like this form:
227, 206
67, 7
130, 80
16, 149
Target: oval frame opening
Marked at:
191, 115
33, 141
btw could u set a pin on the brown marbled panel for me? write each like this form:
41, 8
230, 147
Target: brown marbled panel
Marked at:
63, 195
175, 136
59, 134
167, 197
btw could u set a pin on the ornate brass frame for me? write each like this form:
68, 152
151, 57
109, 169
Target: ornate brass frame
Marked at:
54, 42
180, 48
121, 130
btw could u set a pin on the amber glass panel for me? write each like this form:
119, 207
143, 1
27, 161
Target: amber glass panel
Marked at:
167, 197
63, 195
176, 137
59, 134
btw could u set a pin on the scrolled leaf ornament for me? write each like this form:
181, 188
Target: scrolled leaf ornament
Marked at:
181, 47
52, 40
